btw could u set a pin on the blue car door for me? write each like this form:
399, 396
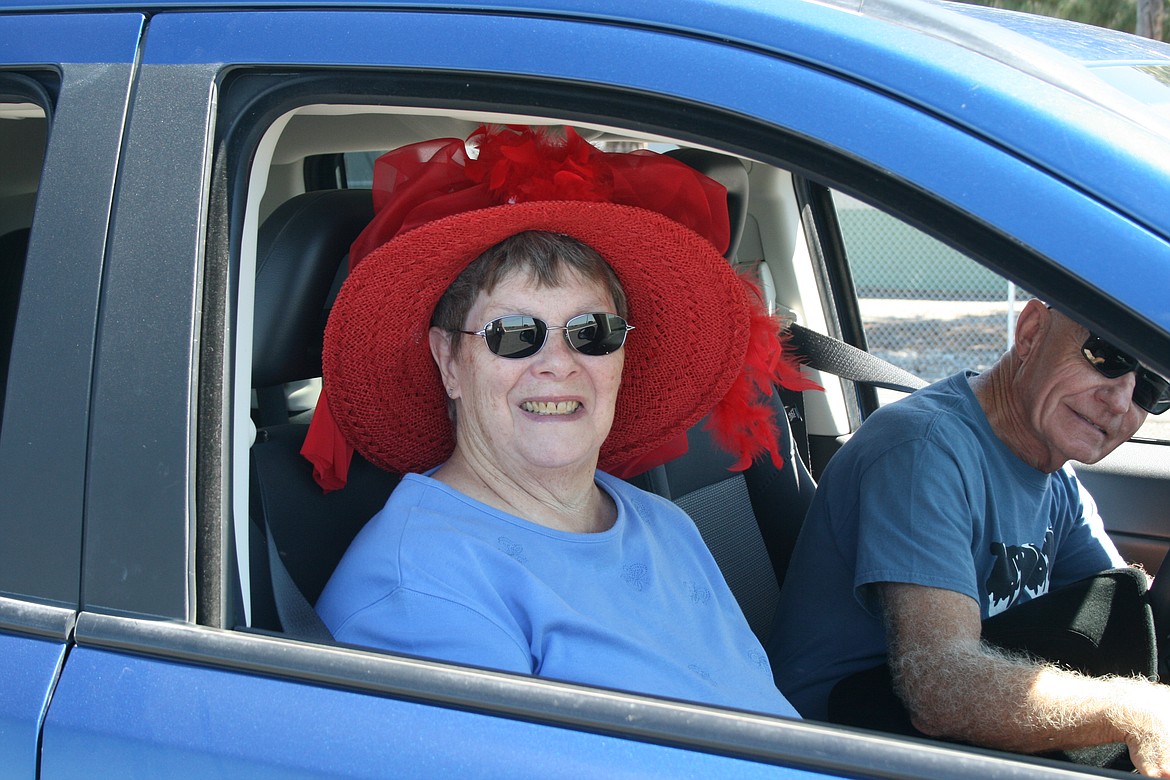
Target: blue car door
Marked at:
64, 85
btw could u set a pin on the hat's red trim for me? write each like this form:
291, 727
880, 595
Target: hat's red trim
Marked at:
327, 449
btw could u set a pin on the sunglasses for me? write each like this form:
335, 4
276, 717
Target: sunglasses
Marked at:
1151, 392
521, 336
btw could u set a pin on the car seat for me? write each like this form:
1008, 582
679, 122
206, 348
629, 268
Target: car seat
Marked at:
748, 519
301, 256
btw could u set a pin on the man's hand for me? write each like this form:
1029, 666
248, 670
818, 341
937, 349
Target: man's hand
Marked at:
1142, 713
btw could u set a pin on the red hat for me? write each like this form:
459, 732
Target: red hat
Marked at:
703, 344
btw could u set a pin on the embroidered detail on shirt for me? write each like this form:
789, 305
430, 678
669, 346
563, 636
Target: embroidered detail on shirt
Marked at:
698, 593
759, 659
637, 576
639, 504
508, 547
703, 674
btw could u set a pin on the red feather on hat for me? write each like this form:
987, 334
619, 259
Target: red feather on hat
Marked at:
530, 166
741, 422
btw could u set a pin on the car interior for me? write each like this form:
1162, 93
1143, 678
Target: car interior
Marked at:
309, 197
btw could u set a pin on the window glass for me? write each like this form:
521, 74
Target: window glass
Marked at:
359, 169
927, 308
23, 134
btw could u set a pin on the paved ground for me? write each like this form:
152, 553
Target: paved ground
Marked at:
934, 339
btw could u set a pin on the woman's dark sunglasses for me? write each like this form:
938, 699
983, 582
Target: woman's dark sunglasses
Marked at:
1151, 392
520, 336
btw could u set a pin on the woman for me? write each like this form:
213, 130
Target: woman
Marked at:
503, 280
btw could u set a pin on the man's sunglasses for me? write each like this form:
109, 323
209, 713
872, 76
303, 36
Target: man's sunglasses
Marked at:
1151, 392
520, 336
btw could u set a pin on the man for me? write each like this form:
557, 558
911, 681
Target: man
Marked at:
953, 506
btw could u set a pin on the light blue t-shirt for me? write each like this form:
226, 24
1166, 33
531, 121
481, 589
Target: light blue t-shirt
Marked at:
924, 493
639, 607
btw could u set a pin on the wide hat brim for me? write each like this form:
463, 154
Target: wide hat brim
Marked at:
691, 312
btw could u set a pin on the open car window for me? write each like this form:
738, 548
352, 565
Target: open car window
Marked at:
928, 308
279, 343
307, 143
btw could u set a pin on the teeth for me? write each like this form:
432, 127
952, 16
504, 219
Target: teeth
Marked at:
544, 407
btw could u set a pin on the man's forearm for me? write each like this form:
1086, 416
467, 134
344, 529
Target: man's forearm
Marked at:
956, 686
981, 695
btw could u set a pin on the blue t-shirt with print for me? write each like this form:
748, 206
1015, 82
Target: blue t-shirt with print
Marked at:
924, 493
639, 607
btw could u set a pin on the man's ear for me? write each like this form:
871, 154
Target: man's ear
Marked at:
440, 342
1031, 328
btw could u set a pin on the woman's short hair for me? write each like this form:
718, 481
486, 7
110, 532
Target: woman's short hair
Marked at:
545, 257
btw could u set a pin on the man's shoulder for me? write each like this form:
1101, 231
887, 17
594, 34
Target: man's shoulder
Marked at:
943, 412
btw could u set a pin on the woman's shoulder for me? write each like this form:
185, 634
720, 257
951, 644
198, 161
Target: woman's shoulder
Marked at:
421, 511
631, 497
421, 528
658, 521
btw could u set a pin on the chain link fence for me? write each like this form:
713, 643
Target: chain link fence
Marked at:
937, 338
927, 308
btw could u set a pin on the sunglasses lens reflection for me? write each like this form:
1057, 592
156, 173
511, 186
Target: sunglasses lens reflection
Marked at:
515, 336
1106, 358
596, 334
1151, 392
520, 336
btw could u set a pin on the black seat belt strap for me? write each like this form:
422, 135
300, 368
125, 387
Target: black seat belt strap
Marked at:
834, 356
297, 617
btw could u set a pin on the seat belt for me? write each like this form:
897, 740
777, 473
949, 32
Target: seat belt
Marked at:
833, 356
298, 619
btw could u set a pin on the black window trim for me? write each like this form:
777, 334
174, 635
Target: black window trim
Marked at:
31, 85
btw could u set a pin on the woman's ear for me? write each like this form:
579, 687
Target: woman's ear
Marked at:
441, 351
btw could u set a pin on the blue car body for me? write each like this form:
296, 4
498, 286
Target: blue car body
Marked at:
1045, 146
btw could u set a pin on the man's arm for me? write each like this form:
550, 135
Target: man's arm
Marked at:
956, 686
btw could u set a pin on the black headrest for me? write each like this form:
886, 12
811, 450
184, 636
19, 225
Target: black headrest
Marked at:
299, 251
729, 172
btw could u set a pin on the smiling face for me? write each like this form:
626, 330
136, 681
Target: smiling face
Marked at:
1067, 410
552, 410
